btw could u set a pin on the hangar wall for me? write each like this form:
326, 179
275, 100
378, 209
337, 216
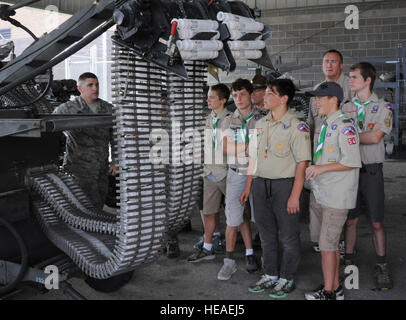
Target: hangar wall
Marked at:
306, 33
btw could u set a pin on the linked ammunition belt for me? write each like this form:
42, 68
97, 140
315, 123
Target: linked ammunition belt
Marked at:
155, 197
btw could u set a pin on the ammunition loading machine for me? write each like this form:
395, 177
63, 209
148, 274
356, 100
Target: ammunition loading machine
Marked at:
160, 52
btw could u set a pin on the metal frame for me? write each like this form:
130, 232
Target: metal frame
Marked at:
398, 85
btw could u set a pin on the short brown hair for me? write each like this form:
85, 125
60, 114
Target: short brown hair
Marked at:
241, 84
367, 71
222, 90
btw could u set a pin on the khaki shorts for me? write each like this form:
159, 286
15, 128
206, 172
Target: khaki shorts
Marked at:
326, 225
212, 195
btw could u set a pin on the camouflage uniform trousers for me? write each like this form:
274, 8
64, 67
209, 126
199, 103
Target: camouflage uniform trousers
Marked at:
93, 184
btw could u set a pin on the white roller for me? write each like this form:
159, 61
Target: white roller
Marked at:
199, 55
197, 24
246, 45
188, 34
204, 45
245, 26
225, 16
247, 54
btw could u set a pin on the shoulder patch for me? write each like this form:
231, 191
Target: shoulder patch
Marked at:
303, 127
389, 107
349, 131
257, 117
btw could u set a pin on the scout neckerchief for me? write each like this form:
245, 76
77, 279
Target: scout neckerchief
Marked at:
216, 120
244, 130
322, 136
361, 113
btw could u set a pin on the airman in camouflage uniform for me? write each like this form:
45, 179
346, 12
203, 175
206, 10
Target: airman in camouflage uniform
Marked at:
87, 150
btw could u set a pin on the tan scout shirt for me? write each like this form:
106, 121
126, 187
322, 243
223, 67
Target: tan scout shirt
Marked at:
215, 161
231, 127
339, 188
378, 111
281, 146
314, 118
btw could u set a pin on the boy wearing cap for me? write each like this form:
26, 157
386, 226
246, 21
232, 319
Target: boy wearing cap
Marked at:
236, 130
335, 172
373, 118
214, 172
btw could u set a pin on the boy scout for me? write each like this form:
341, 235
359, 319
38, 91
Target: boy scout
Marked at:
214, 172
282, 157
373, 117
236, 130
335, 182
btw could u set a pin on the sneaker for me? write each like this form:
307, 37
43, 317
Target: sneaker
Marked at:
218, 244
282, 288
251, 263
339, 293
264, 283
321, 294
200, 255
227, 270
383, 280
172, 249
199, 244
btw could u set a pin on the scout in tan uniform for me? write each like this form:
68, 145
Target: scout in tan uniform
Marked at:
214, 173
281, 157
236, 129
332, 67
335, 182
373, 118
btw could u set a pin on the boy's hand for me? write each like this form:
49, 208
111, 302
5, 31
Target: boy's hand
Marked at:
293, 205
313, 171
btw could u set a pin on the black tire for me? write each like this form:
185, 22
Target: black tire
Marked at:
111, 284
24, 259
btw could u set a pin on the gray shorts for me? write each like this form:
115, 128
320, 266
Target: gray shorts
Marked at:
234, 210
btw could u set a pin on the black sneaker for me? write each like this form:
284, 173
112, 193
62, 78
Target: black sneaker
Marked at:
321, 294
339, 292
251, 263
383, 280
201, 254
218, 246
199, 244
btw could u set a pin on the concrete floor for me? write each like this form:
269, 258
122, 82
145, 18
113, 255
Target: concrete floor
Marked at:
177, 279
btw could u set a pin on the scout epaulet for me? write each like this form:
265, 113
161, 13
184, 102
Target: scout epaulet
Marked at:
303, 127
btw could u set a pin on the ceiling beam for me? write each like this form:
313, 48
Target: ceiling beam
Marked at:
69, 7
